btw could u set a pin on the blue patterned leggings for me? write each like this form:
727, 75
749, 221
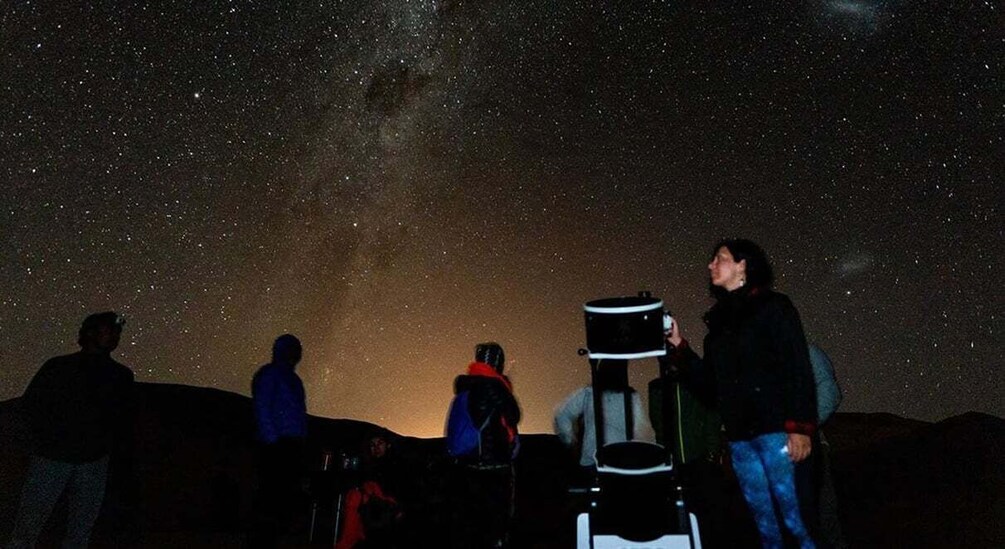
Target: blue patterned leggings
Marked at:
763, 468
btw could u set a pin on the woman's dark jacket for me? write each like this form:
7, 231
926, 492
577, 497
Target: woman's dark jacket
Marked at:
756, 367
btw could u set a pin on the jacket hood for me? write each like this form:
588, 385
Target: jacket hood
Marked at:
286, 350
468, 382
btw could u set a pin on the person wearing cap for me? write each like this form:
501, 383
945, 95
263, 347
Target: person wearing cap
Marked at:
281, 427
484, 481
77, 406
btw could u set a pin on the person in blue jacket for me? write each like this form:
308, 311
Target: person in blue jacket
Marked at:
281, 429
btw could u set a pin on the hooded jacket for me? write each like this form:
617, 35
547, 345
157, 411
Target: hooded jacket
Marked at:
279, 397
579, 407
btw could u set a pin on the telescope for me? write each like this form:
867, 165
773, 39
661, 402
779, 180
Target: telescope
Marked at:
637, 500
626, 327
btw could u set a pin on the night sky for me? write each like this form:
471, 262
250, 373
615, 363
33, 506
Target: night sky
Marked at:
396, 181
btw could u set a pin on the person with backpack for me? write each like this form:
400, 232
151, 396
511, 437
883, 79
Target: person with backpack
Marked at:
482, 440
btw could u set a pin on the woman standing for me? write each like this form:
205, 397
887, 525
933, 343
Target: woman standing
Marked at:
757, 368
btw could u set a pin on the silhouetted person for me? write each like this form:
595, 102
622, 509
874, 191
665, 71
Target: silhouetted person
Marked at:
484, 477
692, 430
814, 483
281, 421
77, 406
577, 410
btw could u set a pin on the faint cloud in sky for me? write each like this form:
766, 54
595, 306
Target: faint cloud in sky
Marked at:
854, 264
855, 15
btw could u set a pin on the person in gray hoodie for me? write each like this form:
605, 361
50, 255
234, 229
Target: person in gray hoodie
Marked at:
577, 410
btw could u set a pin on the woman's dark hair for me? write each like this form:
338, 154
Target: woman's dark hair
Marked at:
759, 272
612, 375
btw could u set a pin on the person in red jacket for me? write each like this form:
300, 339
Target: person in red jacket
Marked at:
372, 515
483, 481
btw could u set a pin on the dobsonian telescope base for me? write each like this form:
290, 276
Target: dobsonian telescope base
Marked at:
636, 502
584, 540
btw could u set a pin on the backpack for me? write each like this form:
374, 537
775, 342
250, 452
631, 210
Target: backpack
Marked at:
464, 438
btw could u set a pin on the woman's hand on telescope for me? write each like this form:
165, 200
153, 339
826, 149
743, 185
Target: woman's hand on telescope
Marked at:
674, 338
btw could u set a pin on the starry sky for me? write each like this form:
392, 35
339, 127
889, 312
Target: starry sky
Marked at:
396, 181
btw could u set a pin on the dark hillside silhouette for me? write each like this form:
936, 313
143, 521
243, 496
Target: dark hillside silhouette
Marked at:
934, 485
901, 482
